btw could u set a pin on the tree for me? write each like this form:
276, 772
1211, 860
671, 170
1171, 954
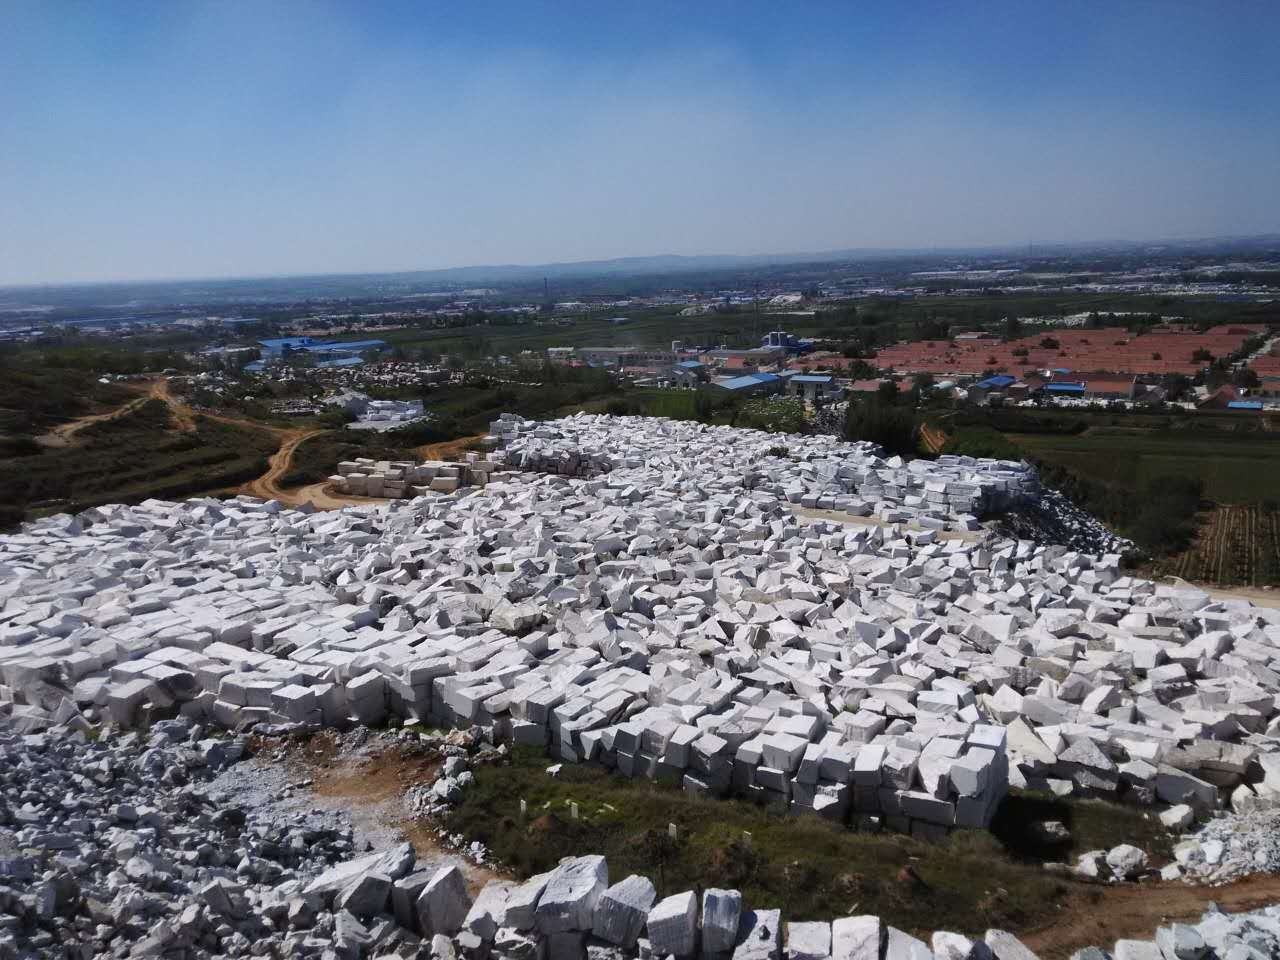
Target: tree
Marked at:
887, 392
1176, 385
774, 414
1202, 356
1049, 343
893, 428
1012, 327
933, 329
1246, 377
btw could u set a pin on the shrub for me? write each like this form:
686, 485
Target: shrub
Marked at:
774, 414
893, 428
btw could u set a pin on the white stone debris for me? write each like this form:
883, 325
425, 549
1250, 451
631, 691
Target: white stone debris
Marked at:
670, 618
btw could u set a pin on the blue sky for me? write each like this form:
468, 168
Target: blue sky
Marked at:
182, 139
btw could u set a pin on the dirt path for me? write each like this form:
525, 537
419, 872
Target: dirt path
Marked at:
447, 449
934, 439
322, 497
61, 436
183, 416
267, 486
1103, 914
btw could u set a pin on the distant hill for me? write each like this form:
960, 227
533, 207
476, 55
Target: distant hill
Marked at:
264, 290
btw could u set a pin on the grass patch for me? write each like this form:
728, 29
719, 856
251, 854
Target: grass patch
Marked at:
808, 867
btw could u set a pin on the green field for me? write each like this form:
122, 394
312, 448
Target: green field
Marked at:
1235, 467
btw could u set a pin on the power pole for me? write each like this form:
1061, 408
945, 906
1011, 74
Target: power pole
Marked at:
755, 303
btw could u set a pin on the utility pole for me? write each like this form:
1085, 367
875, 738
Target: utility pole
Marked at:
755, 303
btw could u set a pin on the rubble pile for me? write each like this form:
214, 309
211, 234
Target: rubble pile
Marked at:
1228, 847
818, 471
120, 845
1052, 518
1218, 936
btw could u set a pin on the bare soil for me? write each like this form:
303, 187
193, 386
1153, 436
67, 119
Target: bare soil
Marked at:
267, 486
447, 449
369, 785
1099, 915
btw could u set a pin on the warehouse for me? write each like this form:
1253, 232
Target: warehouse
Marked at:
752, 383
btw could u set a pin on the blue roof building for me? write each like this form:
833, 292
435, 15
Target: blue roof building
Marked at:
279, 346
998, 382
752, 383
346, 346
1254, 405
1064, 388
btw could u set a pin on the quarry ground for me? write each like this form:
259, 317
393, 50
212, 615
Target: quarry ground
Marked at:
810, 868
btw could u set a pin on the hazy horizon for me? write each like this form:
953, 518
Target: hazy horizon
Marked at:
151, 142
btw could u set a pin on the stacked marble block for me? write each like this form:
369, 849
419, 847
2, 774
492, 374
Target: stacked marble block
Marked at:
405, 479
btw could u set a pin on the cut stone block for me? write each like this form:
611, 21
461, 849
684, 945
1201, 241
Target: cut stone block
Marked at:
444, 903
672, 925
721, 911
569, 900
857, 938
621, 911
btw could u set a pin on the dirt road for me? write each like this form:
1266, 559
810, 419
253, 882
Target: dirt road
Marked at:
184, 417
267, 486
447, 449
934, 438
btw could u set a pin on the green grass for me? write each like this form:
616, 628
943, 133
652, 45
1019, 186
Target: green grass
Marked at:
1236, 467
808, 867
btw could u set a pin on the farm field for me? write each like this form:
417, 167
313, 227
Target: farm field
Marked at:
1237, 467
1236, 544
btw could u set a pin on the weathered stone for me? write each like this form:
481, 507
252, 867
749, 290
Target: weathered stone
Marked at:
621, 911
